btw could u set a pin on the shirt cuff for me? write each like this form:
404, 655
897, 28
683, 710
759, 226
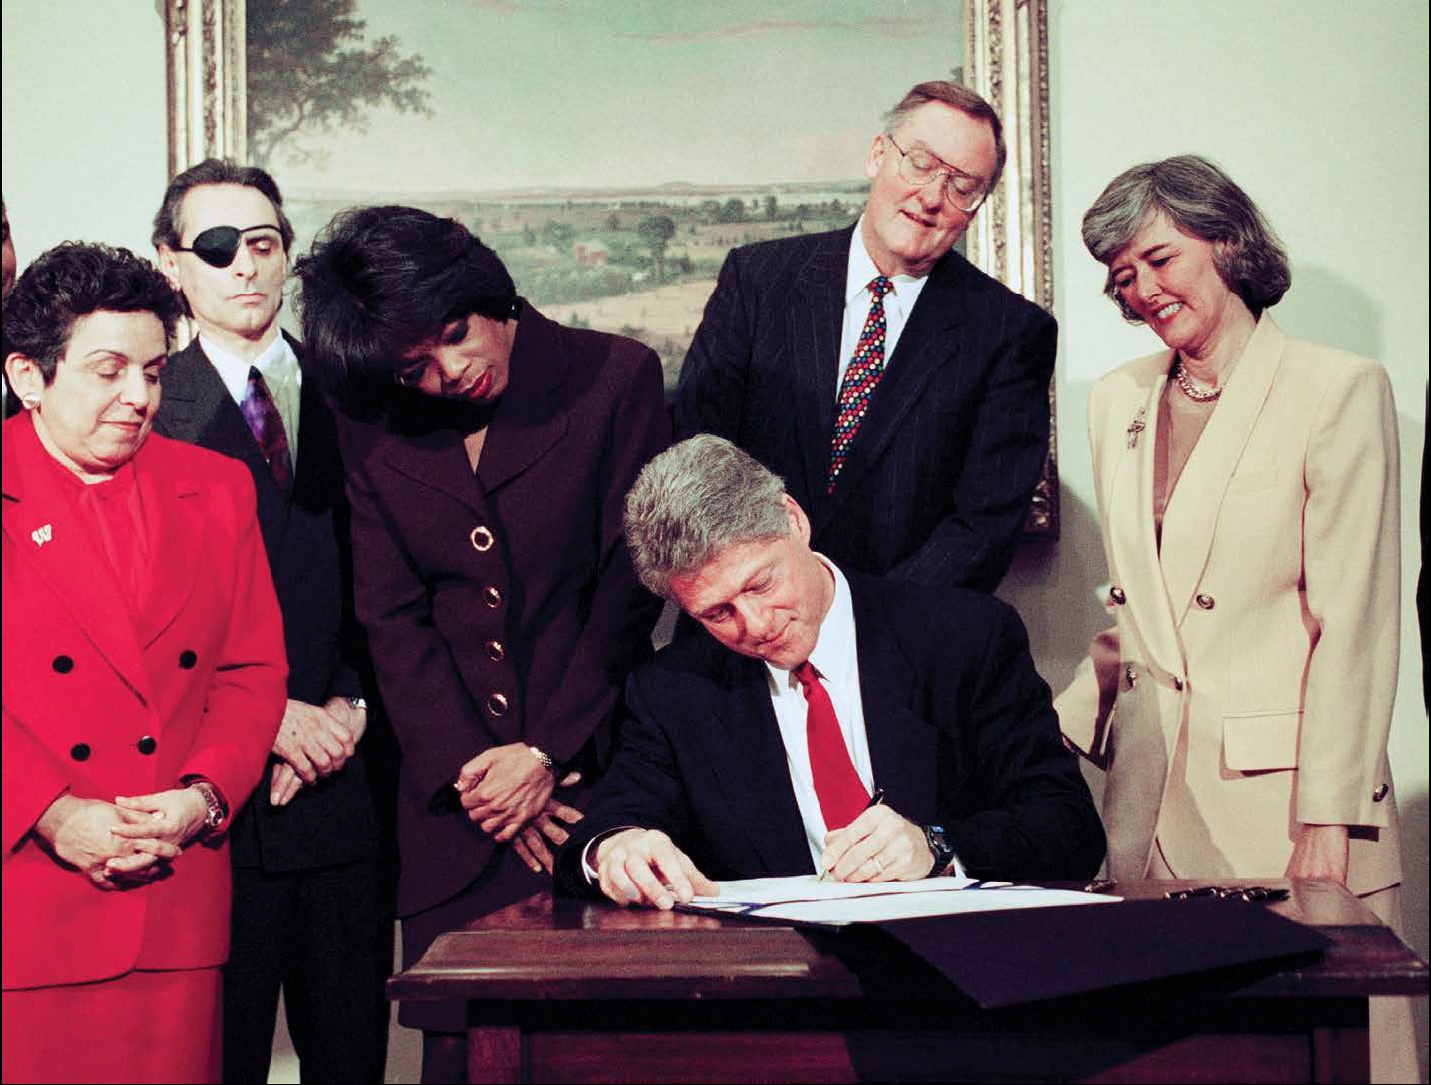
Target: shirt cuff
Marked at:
588, 871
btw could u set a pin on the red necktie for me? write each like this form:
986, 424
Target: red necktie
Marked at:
837, 785
861, 376
261, 414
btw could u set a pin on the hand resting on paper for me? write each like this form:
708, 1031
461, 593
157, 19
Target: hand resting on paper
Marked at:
643, 866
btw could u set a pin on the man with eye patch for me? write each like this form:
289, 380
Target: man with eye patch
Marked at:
901, 392
310, 914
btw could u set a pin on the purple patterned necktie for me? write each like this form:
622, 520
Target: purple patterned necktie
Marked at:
861, 376
261, 414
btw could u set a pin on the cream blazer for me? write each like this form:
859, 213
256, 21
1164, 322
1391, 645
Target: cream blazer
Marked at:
1260, 646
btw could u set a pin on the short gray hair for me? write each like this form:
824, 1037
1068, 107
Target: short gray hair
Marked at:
692, 502
966, 101
1202, 201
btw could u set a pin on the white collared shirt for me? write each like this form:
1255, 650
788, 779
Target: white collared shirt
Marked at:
836, 660
281, 372
898, 303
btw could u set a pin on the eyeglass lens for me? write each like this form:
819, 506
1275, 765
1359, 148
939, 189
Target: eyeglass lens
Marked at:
919, 168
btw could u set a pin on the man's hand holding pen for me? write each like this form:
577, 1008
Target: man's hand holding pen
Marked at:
878, 846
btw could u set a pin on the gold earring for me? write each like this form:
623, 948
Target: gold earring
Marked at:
29, 401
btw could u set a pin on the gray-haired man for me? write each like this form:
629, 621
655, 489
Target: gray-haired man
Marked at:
756, 748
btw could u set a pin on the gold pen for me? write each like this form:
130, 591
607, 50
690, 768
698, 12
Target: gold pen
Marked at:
875, 800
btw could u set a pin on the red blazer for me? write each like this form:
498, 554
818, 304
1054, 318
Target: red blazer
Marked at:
199, 676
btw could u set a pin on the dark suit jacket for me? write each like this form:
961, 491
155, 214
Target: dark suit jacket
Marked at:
502, 607
331, 821
939, 479
961, 732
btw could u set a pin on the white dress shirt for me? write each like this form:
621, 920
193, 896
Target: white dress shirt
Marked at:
836, 661
898, 303
281, 372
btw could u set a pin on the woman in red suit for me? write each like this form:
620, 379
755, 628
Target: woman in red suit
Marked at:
143, 685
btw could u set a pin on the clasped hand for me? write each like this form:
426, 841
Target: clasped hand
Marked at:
508, 792
313, 741
128, 842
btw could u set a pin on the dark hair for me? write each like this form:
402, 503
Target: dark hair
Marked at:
215, 171
73, 280
965, 101
1203, 202
382, 280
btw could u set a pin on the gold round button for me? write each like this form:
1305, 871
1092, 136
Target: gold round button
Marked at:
482, 539
1207, 602
491, 596
495, 651
1116, 596
497, 704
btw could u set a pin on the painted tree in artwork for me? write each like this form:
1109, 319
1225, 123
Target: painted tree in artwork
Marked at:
313, 71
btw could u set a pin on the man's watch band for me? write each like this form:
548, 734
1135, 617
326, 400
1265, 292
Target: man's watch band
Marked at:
940, 848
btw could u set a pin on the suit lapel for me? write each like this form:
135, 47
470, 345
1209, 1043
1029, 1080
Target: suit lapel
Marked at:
1190, 519
72, 567
175, 531
749, 758
197, 408
1131, 539
930, 342
903, 747
527, 423
193, 395
813, 327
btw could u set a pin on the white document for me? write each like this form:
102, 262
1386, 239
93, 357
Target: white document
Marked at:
805, 899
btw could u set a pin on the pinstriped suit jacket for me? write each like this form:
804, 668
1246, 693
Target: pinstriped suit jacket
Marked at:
939, 479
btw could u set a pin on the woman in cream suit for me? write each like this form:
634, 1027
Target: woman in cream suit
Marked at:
1247, 486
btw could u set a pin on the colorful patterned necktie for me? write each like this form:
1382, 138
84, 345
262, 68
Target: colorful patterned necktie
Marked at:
837, 785
861, 376
261, 414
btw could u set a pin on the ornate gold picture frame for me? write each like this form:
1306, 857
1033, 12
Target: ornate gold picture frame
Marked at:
1006, 60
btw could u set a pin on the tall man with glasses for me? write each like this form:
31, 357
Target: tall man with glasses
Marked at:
309, 911
901, 393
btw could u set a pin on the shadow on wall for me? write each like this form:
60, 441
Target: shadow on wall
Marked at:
1323, 308
1056, 586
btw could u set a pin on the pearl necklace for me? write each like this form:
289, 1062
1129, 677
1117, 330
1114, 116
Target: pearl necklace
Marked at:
1192, 391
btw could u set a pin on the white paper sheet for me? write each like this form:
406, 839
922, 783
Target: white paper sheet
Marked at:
804, 899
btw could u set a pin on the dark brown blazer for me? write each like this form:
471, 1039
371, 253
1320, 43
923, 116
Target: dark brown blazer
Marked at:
502, 607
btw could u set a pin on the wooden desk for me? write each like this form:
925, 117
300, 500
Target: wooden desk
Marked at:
570, 992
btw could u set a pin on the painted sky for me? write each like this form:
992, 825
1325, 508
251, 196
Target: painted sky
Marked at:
616, 93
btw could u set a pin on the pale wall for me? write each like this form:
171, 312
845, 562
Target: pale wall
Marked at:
83, 134
1317, 107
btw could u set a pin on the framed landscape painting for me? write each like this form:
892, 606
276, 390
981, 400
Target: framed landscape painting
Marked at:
611, 154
